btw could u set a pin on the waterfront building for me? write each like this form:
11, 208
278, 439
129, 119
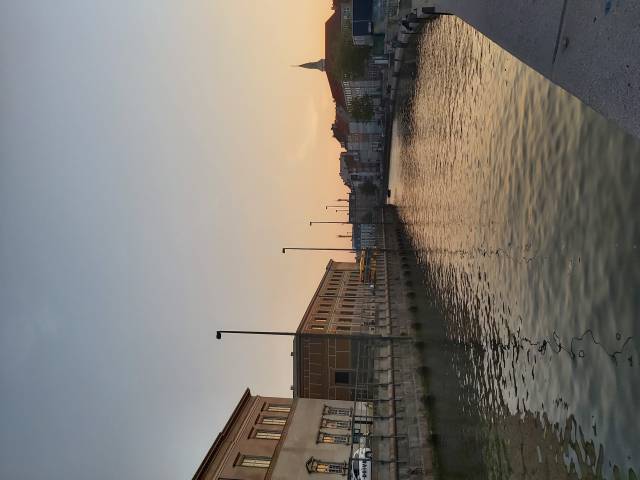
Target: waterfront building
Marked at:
362, 22
271, 438
361, 88
333, 343
346, 16
356, 171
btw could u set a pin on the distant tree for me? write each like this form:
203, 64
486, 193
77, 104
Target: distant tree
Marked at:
361, 108
349, 60
368, 188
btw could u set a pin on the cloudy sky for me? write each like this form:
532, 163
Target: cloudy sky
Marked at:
154, 157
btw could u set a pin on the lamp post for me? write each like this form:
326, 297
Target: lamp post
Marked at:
353, 250
319, 249
353, 223
314, 335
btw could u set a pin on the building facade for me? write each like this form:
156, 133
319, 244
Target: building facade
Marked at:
333, 344
287, 439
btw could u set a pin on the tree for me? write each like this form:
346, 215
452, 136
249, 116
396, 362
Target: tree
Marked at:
361, 108
349, 60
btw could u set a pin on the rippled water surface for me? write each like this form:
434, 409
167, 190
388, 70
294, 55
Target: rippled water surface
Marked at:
523, 205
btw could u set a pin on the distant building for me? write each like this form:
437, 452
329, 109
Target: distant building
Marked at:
346, 16
362, 22
286, 439
332, 350
356, 170
360, 88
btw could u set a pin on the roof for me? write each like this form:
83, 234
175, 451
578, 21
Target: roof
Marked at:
331, 30
222, 436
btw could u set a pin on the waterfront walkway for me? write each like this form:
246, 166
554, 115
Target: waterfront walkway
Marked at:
588, 47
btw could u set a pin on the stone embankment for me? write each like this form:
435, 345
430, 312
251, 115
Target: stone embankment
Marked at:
588, 47
411, 432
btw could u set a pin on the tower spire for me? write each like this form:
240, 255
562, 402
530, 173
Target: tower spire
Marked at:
319, 65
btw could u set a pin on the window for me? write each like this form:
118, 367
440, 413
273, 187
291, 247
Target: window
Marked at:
342, 328
255, 462
320, 320
268, 435
317, 327
319, 466
336, 424
337, 411
274, 420
279, 408
333, 438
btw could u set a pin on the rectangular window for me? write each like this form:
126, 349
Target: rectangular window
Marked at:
325, 467
336, 424
342, 377
332, 438
255, 462
321, 320
279, 408
336, 411
343, 328
317, 327
274, 420
268, 435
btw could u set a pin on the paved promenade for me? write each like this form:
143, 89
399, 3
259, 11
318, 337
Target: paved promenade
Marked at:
588, 47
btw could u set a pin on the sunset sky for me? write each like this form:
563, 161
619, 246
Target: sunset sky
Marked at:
155, 157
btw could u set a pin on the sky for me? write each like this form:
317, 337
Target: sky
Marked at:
155, 156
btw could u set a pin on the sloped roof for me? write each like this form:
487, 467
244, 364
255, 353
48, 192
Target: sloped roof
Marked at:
331, 31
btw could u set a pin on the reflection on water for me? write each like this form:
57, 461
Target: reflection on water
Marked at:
522, 205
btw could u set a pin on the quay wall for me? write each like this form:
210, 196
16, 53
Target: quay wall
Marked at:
587, 47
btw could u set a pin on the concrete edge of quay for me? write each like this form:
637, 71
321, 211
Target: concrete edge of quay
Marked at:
416, 457
588, 48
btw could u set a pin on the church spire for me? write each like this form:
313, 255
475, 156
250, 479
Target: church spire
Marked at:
319, 65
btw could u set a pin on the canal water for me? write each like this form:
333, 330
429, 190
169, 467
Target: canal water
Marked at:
523, 206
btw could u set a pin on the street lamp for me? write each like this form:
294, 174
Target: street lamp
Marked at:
353, 250
353, 223
314, 249
315, 335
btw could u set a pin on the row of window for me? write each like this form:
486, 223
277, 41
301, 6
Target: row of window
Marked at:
339, 328
313, 465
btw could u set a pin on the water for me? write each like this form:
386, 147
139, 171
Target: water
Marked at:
523, 206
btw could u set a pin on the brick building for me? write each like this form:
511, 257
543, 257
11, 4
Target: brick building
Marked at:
333, 344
